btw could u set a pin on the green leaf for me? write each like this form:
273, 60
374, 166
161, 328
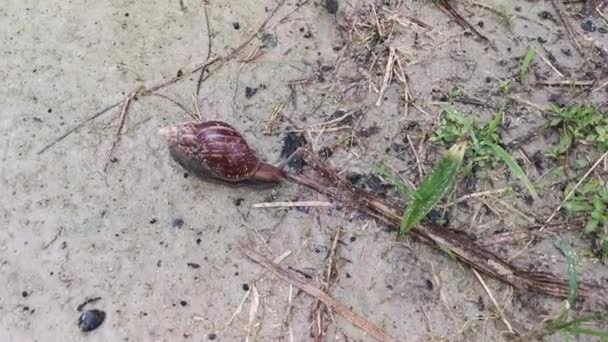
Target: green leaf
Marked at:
571, 269
565, 141
434, 187
576, 206
495, 123
525, 65
516, 170
591, 226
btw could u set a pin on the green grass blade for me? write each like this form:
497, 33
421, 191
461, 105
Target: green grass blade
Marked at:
514, 167
525, 65
576, 327
386, 173
434, 187
571, 269
588, 332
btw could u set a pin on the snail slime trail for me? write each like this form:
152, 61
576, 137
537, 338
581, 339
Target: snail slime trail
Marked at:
214, 150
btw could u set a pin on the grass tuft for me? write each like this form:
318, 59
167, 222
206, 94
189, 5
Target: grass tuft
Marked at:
525, 65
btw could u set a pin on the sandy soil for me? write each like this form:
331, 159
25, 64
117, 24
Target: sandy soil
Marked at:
161, 248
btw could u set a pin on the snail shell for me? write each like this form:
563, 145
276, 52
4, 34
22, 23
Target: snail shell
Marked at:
215, 150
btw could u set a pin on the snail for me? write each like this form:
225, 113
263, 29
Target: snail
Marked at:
217, 151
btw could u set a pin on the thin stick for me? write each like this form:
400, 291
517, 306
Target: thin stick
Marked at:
527, 233
292, 204
568, 27
597, 9
421, 170
549, 63
498, 308
253, 310
79, 125
321, 328
538, 107
600, 86
388, 74
567, 83
200, 77
339, 308
46, 245
330, 122
478, 194
199, 116
447, 8
121, 123
175, 103
324, 130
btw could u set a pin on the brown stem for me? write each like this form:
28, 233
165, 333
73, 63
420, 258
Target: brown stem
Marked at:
460, 245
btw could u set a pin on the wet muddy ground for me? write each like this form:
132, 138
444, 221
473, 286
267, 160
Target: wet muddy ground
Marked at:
160, 248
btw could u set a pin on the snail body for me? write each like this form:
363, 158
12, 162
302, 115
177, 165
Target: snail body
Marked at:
215, 150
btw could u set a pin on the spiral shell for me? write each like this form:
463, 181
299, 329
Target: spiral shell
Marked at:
214, 149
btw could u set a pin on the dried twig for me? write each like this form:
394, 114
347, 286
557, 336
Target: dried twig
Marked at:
498, 308
292, 204
568, 27
601, 86
548, 62
121, 122
321, 308
188, 111
567, 83
48, 244
339, 308
530, 232
447, 8
253, 311
79, 125
202, 74
388, 75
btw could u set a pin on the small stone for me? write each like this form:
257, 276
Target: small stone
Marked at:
178, 223
91, 320
332, 6
249, 92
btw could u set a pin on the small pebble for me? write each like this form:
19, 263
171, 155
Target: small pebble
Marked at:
178, 223
91, 320
249, 92
332, 6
